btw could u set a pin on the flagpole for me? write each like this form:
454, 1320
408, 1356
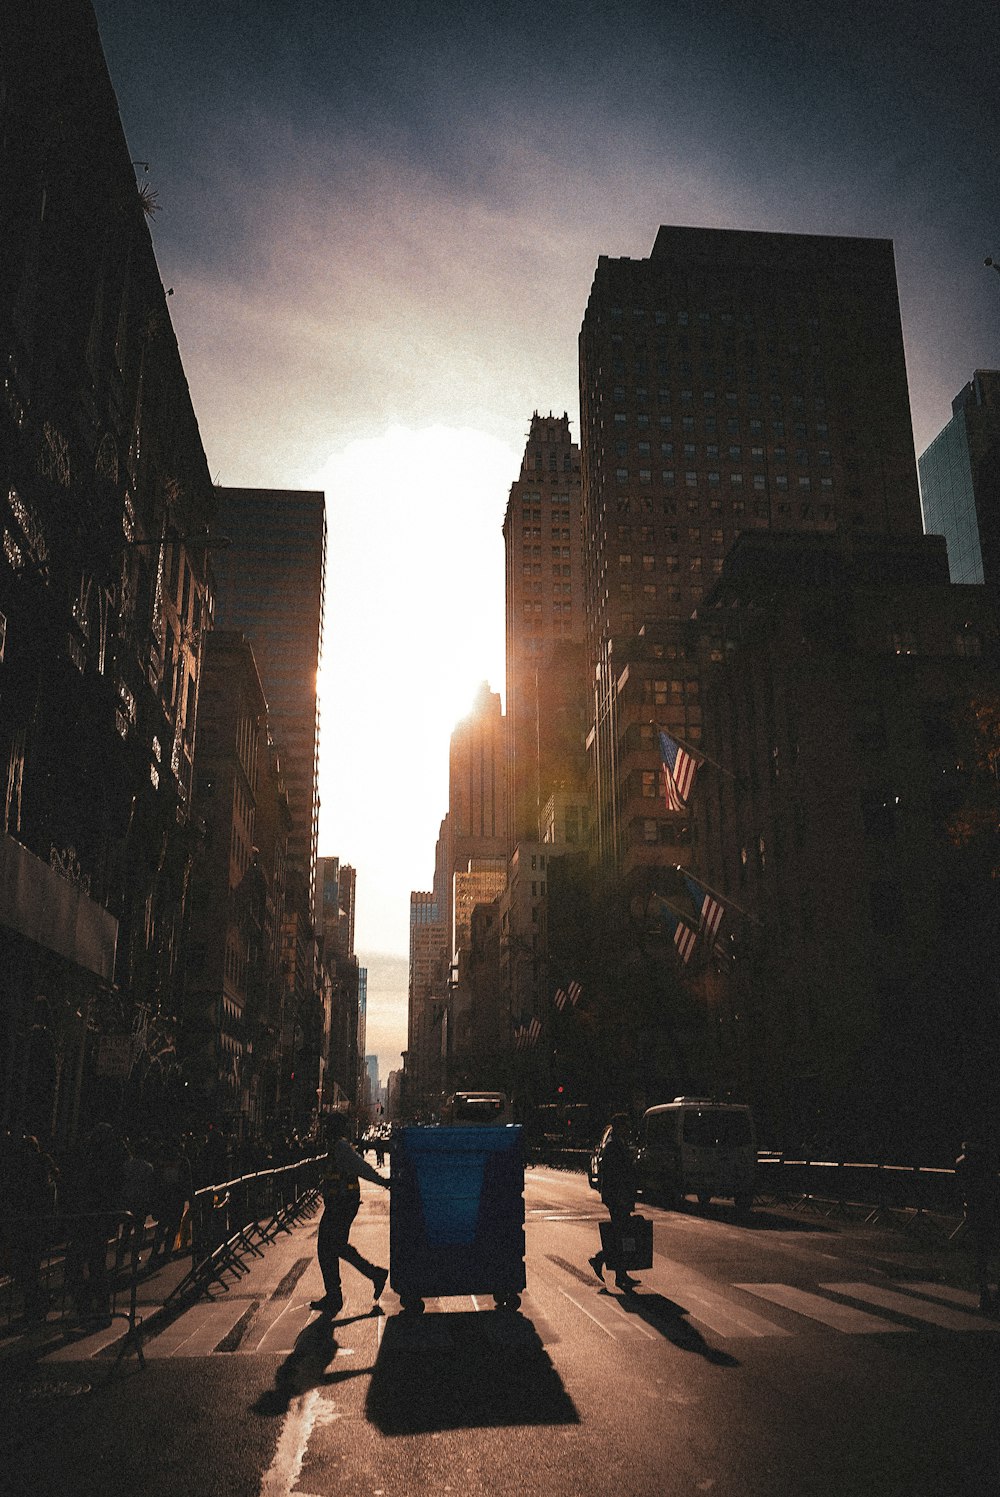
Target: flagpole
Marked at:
696, 753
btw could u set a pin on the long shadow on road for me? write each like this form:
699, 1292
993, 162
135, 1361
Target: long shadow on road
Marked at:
464, 1370
668, 1317
306, 1366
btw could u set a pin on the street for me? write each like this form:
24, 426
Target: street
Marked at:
785, 1356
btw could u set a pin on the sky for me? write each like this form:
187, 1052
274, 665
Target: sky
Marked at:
380, 223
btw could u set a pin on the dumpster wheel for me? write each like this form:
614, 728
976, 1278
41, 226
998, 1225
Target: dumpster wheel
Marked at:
507, 1301
411, 1305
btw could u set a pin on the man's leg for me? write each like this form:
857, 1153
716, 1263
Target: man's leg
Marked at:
329, 1243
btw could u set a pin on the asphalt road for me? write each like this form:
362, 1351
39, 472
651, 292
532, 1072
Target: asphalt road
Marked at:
779, 1357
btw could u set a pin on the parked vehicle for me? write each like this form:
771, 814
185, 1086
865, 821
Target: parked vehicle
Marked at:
594, 1163
477, 1108
694, 1146
597, 1155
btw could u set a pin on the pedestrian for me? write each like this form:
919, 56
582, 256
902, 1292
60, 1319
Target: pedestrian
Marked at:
976, 1173
343, 1171
617, 1185
173, 1188
91, 1198
135, 1197
29, 1187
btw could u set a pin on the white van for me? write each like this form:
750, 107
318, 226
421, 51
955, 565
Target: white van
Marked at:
476, 1108
693, 1146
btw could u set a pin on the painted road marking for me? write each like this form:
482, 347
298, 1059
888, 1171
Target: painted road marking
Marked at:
198, 1332
907, 1304
827, 1311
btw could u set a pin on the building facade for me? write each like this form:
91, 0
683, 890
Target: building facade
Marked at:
733, 381
106, 507
852, 994
960, 482
271, 585
546, 698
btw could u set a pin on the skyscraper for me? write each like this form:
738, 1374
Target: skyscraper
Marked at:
271, 587
547, 699
733, 381
960, 482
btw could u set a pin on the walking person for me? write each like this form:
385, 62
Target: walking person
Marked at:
90, 1197
617, 1184
976, 1173
344, 1170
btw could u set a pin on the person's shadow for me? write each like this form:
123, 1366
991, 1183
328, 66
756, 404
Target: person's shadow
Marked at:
668, 1317
306, 1365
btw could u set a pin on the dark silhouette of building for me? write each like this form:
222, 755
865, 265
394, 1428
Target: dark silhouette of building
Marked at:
270, 585
850, 995
732, 382
233, 984
547, 705
960, 482
105, 596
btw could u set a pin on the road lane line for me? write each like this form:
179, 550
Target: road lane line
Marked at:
828, 1312
594, 1318
906, 1304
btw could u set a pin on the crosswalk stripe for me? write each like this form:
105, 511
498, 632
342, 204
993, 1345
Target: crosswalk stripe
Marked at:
828, 1312
599, 1323
198, 1332
907, 1304
82, 1349
963, 1297
725, 1318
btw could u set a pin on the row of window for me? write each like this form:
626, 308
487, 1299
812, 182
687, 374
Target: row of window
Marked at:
534, 608
683, 317
734, 453
556, 533
693, 477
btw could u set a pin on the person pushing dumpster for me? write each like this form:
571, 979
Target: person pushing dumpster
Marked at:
341, 1189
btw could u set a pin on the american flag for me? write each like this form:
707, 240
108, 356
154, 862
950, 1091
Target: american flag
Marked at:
710, 908
679, 769
534, 1030
575, 992
561, 998
685, 937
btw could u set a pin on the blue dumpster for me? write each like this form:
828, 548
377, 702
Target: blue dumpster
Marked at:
456, 1214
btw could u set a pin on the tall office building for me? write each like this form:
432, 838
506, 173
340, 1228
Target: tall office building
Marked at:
271, 587
547, 700
960, 482
733, 381
477, 785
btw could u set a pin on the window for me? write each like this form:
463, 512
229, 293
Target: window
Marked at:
649, 785
648, 563
694, 536
645, 475
691, 480
621, 474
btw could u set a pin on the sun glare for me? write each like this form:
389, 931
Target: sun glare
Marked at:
414, 623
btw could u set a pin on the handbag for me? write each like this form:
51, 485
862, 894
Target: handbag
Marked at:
629, 1245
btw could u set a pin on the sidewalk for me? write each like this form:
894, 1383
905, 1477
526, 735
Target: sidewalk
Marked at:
23, 1343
